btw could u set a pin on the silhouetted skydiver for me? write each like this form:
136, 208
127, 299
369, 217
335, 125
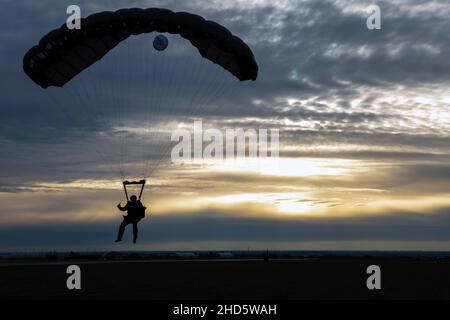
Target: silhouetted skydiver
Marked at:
136, 211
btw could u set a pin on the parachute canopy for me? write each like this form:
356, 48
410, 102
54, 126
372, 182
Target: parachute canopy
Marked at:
64, 53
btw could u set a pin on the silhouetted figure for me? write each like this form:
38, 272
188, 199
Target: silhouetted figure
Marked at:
135, 212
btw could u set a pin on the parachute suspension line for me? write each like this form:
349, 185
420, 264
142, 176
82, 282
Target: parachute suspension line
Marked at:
133, 152
213, 86
112, 98
119, 66
209, 89
230, 89
142, 111
142, 74
154, 101
134, 101
63, 107
79, 88
122, 101
125, 103
97, 95
116, 66
140, 66
83, 107
98, 92
223, 87
93, 95
150, 98
87, 105
90, 104
198, 75
198, 71
160, 96
160, 65
128, 106
168, 110
76, 101
181, 91
145, 112
118, 93
80, 97
166, 107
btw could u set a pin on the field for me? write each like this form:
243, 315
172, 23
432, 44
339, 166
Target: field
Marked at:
308, 278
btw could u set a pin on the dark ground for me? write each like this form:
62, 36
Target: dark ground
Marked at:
275, 279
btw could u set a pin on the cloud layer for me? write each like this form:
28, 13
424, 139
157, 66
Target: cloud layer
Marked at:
377, 102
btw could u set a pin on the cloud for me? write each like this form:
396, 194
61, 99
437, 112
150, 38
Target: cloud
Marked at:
394, 230
334, 89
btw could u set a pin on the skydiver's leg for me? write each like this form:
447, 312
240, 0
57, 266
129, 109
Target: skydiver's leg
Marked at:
121, 230
135, 230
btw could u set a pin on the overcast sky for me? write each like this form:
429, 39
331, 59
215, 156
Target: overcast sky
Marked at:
363, 115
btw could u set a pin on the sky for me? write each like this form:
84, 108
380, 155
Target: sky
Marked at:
363, 118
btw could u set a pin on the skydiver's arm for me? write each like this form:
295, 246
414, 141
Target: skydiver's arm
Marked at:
122, 208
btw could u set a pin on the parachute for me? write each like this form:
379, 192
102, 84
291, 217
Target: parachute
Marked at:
140, 86
64, 53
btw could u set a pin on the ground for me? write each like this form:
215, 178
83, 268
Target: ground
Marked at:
221, 279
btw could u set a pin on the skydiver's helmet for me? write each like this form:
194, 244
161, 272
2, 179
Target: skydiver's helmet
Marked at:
133, 198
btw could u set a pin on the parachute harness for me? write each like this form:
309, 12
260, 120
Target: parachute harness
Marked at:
129, 183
